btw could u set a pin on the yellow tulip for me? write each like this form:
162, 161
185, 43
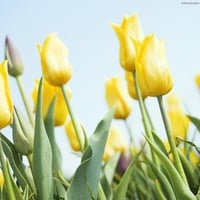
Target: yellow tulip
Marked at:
48, 93
128, 31
197, 80
54, 60
131, 85
1, 179
6, 105
117, 95
179, 121
115, 143
71, 134
153, 75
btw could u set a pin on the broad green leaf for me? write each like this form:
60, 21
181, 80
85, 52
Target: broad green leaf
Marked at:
120, 192
58, 189
180, 189
86, 179
42, 155
49, 126
108, 172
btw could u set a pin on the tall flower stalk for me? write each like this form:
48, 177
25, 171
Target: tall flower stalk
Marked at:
172, 144
147, 125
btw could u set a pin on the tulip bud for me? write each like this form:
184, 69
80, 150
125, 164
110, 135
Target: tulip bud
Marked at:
48, 92
117, 95
6, 105
15, 64
23, 133
131, 85
123, 162
197, 80
115, 143
128, 31
71, 134
152, 70
56, 68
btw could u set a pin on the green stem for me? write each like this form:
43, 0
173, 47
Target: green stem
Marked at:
146, 123
172, 144
6, 174
132, 142
148, 116
74, 122
101, 195
24, 98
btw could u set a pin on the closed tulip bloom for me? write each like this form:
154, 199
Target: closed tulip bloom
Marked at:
117, 95
6, 106
15, 64
131, 86
197, 80
128, 31
56, 68
178, 120
153, 75
48, 92
115, 143
71, 134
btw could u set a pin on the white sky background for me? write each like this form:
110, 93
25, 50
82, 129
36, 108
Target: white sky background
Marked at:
84, 26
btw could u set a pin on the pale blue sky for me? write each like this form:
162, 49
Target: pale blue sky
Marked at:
84, 26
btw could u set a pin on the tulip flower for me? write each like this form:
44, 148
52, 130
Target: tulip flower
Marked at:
131, 85
128, 31
153, 75
1, 179
48, 93
6, 106
15, 64
71, 134
117, 95
56, 68
197, 80
115, 143
179, 121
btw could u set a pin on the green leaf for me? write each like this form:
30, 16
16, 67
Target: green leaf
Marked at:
58, 189
165, 184
189, 172
42, 155
49, 126
195, 121
120, 192
108, 174
180, 189
16, 164
86, 178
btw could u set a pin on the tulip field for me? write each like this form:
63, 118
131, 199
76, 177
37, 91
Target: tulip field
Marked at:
110, 168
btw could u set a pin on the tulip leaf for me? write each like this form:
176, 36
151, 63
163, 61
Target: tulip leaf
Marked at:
165, 184
16, 164
120, 192
180, 189
85, 182
108, 174
49, 126
42, 155
56, 154
195, 121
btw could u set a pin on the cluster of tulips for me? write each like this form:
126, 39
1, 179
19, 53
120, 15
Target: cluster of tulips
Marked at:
31, 163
